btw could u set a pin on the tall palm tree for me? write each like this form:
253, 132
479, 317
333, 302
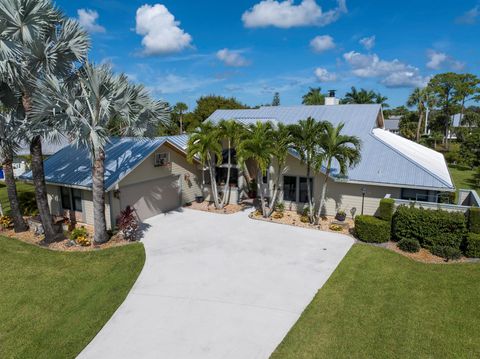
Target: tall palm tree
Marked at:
282, 142
359, 97
257, 145
231, 132
305, 142
344, 149
180, 108
314, 96
86, 106
418, 98
204, 144
10, 133
37, 40
381, 100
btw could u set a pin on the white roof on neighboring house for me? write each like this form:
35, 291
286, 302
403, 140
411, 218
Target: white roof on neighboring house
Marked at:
48, 147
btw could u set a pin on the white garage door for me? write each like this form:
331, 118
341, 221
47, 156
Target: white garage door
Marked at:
152, 197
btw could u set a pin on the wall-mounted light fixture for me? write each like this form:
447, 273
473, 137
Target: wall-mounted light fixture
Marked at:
116, 194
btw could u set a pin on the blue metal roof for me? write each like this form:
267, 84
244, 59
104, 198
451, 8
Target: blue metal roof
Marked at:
381, 163
72, 165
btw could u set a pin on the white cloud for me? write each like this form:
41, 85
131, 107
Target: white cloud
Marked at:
324, 76
88, 19
171, 83
437, 60
232, 58
286, 14
469, 17
322, 43
391, 73
368, 42
161, 32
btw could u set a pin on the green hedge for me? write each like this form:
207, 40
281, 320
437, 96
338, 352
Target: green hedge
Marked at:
429, 227
474, 220
372, 229
472, 245
386, 209
409, 245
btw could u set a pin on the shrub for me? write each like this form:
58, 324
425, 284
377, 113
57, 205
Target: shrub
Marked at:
336, 228
372, 229
277, 215
127, 222
474, 220
280, 207
27, 203
304, 217
446, 252
386, 209
5, 222
409, 245
84, 241
429, 227
78, 233
472, 245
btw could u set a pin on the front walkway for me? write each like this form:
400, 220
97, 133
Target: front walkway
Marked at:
218, 286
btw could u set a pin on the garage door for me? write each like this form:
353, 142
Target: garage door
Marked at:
152, 197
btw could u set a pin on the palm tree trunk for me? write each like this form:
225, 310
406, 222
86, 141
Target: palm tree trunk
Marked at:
98, 190
309, 196
324, 190
213, 181
276, 186
419, 125
51, 231
227, 182
19, 224
262, 197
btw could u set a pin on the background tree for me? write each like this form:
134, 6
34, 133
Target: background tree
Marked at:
418, 98
314, 96
37, 40
408, 125
381, 100
178, 111
276, 99
344, 149
359, 97
466, 89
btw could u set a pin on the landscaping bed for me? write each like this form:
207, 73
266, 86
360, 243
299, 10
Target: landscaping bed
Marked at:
293, 218
210, 207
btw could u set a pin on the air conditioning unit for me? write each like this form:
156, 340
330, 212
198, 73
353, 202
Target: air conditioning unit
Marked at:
162, 159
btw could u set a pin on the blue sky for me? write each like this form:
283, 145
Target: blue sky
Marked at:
182, 49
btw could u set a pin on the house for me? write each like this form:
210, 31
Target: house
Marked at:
392, 124
154, 176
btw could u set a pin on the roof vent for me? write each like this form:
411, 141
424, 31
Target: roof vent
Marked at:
331, 99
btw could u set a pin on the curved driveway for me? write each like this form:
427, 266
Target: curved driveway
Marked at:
218, 286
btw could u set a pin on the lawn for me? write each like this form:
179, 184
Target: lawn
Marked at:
53, 303
379, 304
21, 187
463, 178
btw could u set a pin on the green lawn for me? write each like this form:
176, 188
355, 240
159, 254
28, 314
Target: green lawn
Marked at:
21, 187
53, 303
463, 178
379, 304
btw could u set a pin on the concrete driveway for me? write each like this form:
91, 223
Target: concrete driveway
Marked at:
218, 286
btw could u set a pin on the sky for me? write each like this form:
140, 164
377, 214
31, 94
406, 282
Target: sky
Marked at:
250, 49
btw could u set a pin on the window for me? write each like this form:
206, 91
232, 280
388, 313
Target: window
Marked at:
303, 194
289, 188
65, 197
77, 199
221, 176
233, 156
414, 194
162, 159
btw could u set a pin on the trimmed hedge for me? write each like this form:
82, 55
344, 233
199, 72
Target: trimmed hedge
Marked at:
372, 229
429, 227
447, 252
386, 209
409, 245
472, 245
474, 220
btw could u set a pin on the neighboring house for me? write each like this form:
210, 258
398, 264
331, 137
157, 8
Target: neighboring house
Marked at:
152, 175
391, 165
392, 124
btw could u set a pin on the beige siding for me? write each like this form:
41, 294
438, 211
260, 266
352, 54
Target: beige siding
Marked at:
342, 196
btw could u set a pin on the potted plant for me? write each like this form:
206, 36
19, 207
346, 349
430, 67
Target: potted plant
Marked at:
341, 215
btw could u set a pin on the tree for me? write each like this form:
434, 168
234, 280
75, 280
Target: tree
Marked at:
408, 125
344, 149
85, 106
205, 145
359, 97
466, 88
282, 141
381, 100
470, 148
231, 132
257, 145
10, 133
276, 99
305, 135
418, 98
37, 40
314, 96
178, 110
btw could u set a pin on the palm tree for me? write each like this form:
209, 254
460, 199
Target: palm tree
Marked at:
230, 131
257, 145
204, 144
85, 107
418, 98
180, 108
37, 40
10, 133
359, 97
305, 142
344, 149
282, 142
314, 96
381, 100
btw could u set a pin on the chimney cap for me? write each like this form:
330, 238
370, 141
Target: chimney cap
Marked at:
331, 93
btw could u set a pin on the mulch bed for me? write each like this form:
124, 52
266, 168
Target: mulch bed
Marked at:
210, 207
